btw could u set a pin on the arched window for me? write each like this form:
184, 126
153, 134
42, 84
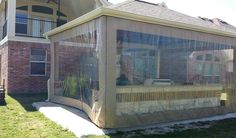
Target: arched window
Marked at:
42, 9
23, 8
37, 20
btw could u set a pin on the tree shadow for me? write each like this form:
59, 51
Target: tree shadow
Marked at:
26, 100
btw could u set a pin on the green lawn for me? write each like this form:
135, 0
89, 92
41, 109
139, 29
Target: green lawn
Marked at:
18, 119
220, 129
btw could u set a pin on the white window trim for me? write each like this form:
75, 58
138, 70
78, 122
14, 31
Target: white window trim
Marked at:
23, 12
39, 75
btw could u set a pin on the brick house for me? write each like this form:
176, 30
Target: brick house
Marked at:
24, 52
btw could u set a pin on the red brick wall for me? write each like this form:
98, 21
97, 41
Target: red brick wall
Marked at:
19, 78
68, 60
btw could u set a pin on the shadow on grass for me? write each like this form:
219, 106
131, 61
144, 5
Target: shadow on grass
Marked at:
3, 103
26, 100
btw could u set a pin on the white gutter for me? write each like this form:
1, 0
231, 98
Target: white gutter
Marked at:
104, 11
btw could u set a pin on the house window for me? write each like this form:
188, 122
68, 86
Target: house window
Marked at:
35, 20
209, 57
61, 14
217, 59
210, 69
198, 68
61, 22
23, 8
42, 9
200, 57
38, 61
21, 23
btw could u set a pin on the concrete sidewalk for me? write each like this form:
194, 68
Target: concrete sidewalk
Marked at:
78, 122
69, 118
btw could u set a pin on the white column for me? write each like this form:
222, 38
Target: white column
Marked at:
11, 17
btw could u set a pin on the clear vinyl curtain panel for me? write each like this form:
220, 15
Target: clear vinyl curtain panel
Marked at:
143, 57
126, 73
164, 73
176, 64
77, 55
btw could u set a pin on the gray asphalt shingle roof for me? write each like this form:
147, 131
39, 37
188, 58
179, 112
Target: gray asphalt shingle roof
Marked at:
162, 12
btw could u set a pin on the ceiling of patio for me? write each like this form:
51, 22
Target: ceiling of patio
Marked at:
79, 7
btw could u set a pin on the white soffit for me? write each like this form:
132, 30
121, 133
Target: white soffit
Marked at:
79, 7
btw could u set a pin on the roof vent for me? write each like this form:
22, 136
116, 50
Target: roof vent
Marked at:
163, 4
206, 19
146, 2
219, 21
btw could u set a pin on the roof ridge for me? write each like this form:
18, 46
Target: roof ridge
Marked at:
143, 1
122, 3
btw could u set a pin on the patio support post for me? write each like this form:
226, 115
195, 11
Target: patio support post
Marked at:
110, 74
51, 80
11, 19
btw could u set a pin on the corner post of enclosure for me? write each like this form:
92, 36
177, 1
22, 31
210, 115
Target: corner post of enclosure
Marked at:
51, 79
11, 17
110, 75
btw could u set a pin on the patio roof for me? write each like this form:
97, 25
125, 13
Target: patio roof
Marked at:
80, 7
138, 10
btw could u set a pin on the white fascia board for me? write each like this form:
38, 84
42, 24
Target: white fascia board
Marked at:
3, 41
24, 39
105, 11
29, 39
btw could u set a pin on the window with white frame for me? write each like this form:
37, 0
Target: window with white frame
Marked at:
209, 66
38, 61
21, 23
35, 20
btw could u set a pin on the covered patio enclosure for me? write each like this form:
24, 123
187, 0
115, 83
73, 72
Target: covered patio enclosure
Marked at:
124, 73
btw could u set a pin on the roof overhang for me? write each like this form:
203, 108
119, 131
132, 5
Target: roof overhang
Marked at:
105, 11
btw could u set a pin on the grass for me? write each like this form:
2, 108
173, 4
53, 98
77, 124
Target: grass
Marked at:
220, 129
18, 119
